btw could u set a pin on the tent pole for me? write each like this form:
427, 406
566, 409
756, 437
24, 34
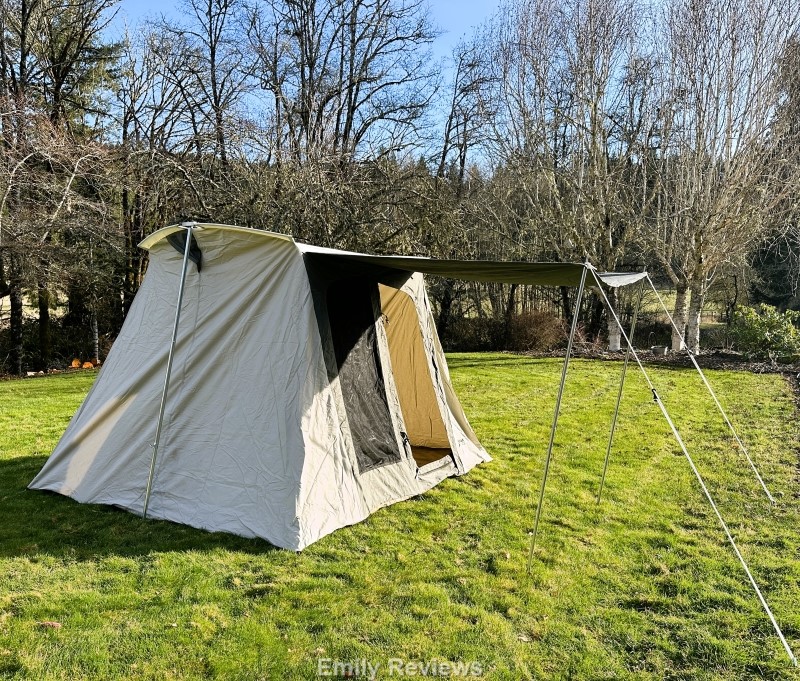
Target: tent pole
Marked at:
712, 393
619, 393
188, 226
702, 483
554, 425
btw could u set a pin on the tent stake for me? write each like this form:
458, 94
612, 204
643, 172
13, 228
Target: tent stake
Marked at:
557, 410
712, 393
189, 227
619, 394
702, 483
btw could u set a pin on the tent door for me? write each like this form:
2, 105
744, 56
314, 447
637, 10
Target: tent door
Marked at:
425, 428
351, 316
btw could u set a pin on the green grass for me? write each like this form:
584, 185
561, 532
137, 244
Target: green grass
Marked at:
642, 586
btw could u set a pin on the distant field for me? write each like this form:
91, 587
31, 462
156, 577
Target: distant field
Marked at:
652, 307
642, 586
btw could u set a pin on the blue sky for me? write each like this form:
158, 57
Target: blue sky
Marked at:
457, 18
454, 17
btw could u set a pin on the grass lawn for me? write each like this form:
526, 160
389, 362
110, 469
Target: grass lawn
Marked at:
642, 586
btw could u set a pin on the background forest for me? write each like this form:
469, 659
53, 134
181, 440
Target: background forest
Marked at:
638, 135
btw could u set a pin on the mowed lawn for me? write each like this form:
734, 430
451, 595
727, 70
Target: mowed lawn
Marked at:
642, 586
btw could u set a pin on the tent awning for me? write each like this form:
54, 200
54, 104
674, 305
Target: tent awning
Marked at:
504, 272
538, 273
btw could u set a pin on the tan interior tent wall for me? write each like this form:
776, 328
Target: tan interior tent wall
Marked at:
422, 416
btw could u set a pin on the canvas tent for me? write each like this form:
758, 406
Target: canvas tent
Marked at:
292, 390
308, 387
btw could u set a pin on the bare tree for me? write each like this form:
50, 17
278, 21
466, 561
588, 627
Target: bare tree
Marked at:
470, 109
719, 173
156, 157
46, 209
213, 76
52, 62
345, 77
576, 86
346, 85
777, 261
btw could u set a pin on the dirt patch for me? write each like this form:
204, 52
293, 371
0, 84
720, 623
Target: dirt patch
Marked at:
710, 359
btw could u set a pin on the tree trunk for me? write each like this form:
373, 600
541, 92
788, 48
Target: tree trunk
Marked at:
134, 257
95, 336
730, 305
15, 293
509, 315
78, 313
566, 306
445, 309
614, 332
476, 293
679, 316
496, 293
595, 318
45, 336
4, 288
693, 324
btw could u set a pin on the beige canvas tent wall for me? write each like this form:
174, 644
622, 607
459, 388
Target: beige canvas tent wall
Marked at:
308, 388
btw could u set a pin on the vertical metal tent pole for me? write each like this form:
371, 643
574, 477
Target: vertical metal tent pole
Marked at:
702, 483
188, 227
712, 393
553, 427
619, 394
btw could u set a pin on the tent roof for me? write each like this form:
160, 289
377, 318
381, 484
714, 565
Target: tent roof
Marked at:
514, 272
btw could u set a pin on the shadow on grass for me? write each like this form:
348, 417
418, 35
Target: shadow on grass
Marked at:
36, 523
680, 364
491, 359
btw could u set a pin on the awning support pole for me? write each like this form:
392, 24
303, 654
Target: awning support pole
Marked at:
700, 480
619, 393
712, 393
189, 226
554, 425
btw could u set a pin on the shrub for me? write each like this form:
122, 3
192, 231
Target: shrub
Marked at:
67, 343
534, 332
526, 332
764, 332
469, 334
714, 336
